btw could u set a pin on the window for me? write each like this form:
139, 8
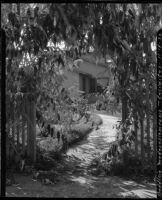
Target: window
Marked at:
84, 83
87, 83
92, 85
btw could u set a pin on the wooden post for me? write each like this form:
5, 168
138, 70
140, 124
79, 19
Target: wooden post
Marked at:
32, 131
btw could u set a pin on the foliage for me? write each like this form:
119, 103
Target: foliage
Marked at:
120, 161
135, 62
121, 158
37, 67
125, 32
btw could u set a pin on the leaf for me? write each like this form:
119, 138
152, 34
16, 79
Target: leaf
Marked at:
126, 45
36, 10
131, 13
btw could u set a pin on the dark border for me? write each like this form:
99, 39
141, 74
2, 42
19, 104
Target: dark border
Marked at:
159, 91
159, 113
88, 1
3, 113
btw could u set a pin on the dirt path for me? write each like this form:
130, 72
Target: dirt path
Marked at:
78, 182
96, 143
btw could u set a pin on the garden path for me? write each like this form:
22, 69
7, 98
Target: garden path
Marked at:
77, 181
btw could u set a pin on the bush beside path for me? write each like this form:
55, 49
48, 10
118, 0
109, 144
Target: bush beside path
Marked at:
77, 132
77, 182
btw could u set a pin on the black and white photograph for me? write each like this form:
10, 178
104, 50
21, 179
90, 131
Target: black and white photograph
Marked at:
80, 84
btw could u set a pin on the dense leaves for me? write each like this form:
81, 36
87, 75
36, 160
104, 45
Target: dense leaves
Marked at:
36, 62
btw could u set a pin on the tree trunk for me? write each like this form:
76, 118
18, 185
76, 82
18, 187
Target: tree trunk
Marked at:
27, 106
148, 118
18, 132
142, 142
136, 133
148, 135
13, 127
23, 133
124, 108
32, 132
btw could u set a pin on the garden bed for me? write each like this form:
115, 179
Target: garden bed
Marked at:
78, 132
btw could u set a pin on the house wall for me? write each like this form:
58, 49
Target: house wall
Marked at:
96, 71
73, 81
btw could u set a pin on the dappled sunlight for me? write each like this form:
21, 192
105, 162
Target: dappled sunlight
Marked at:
132, 188
83, 181
132, 183
81, 92
78, 182
129, 183
96, 143
140, 193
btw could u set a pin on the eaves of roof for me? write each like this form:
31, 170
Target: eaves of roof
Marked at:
92, 62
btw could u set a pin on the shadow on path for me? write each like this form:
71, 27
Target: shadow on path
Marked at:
76, 181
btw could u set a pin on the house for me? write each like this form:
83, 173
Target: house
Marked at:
88, 77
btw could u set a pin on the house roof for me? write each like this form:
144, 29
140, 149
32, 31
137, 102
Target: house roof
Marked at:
93, 59
97, 60
80, 71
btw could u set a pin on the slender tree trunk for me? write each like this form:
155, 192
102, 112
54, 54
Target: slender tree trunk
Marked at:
13, 127
23, 133
27, 106
142, 142
124, 108
148, 135
32, 132
136, 133
18, 132
148, 118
